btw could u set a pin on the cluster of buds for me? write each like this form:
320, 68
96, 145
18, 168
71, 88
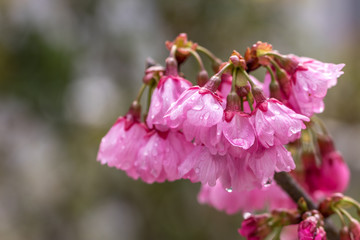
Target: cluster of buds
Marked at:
232, 132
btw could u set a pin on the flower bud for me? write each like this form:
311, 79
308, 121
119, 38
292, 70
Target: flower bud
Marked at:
202, 77
354, 229
171, 67
284, 82
309, 229
255, 227
213, 83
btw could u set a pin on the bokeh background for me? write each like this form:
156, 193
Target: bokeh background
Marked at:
69, 68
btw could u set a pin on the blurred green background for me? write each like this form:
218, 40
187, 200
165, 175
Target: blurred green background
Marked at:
69, 68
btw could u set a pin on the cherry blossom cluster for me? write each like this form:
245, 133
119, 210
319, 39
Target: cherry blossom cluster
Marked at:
232, 133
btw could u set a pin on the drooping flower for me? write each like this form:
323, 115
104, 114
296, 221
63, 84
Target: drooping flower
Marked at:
167, 91
265, 161
237, 129
121, 144
310, 83
160, 156
276, 124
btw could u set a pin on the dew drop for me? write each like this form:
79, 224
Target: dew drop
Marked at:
216, 107
197, 107
276, 112
268, 183
192, 98
293, 130
152, 116
229, 189
206, 116
246, 215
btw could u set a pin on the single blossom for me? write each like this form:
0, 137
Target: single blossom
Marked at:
160, 156
265, 161
195, 112
237, 129
276, 124
121, 144
167, 91
311, 81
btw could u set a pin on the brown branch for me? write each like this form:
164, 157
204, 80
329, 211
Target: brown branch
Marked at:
295, 192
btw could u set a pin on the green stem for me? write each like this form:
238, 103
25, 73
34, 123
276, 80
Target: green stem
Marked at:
140, 93
352, 202
211, 56
223, 69
249, 102
341, 217
346, 214
252, 84
198, 59
151, 89
233, 82
271, 74
278, 68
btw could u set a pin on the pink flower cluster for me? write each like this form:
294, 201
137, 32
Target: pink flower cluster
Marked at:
230, 132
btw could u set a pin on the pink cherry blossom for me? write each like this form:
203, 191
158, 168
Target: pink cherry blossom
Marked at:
201, 166
311, 80
197, 107
331, 176
120, 145
238, 129
276, 124
265, 161
232, 201
160, 156
308, 229
167, 91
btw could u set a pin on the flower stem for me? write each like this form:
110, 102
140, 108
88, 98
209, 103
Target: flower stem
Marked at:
211, 56
271, 74
198, 59
140, 93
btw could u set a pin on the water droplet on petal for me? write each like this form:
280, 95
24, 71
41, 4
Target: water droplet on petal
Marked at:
197, 107
229, 189
246, 215
268, 183
206, 116
276, 112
